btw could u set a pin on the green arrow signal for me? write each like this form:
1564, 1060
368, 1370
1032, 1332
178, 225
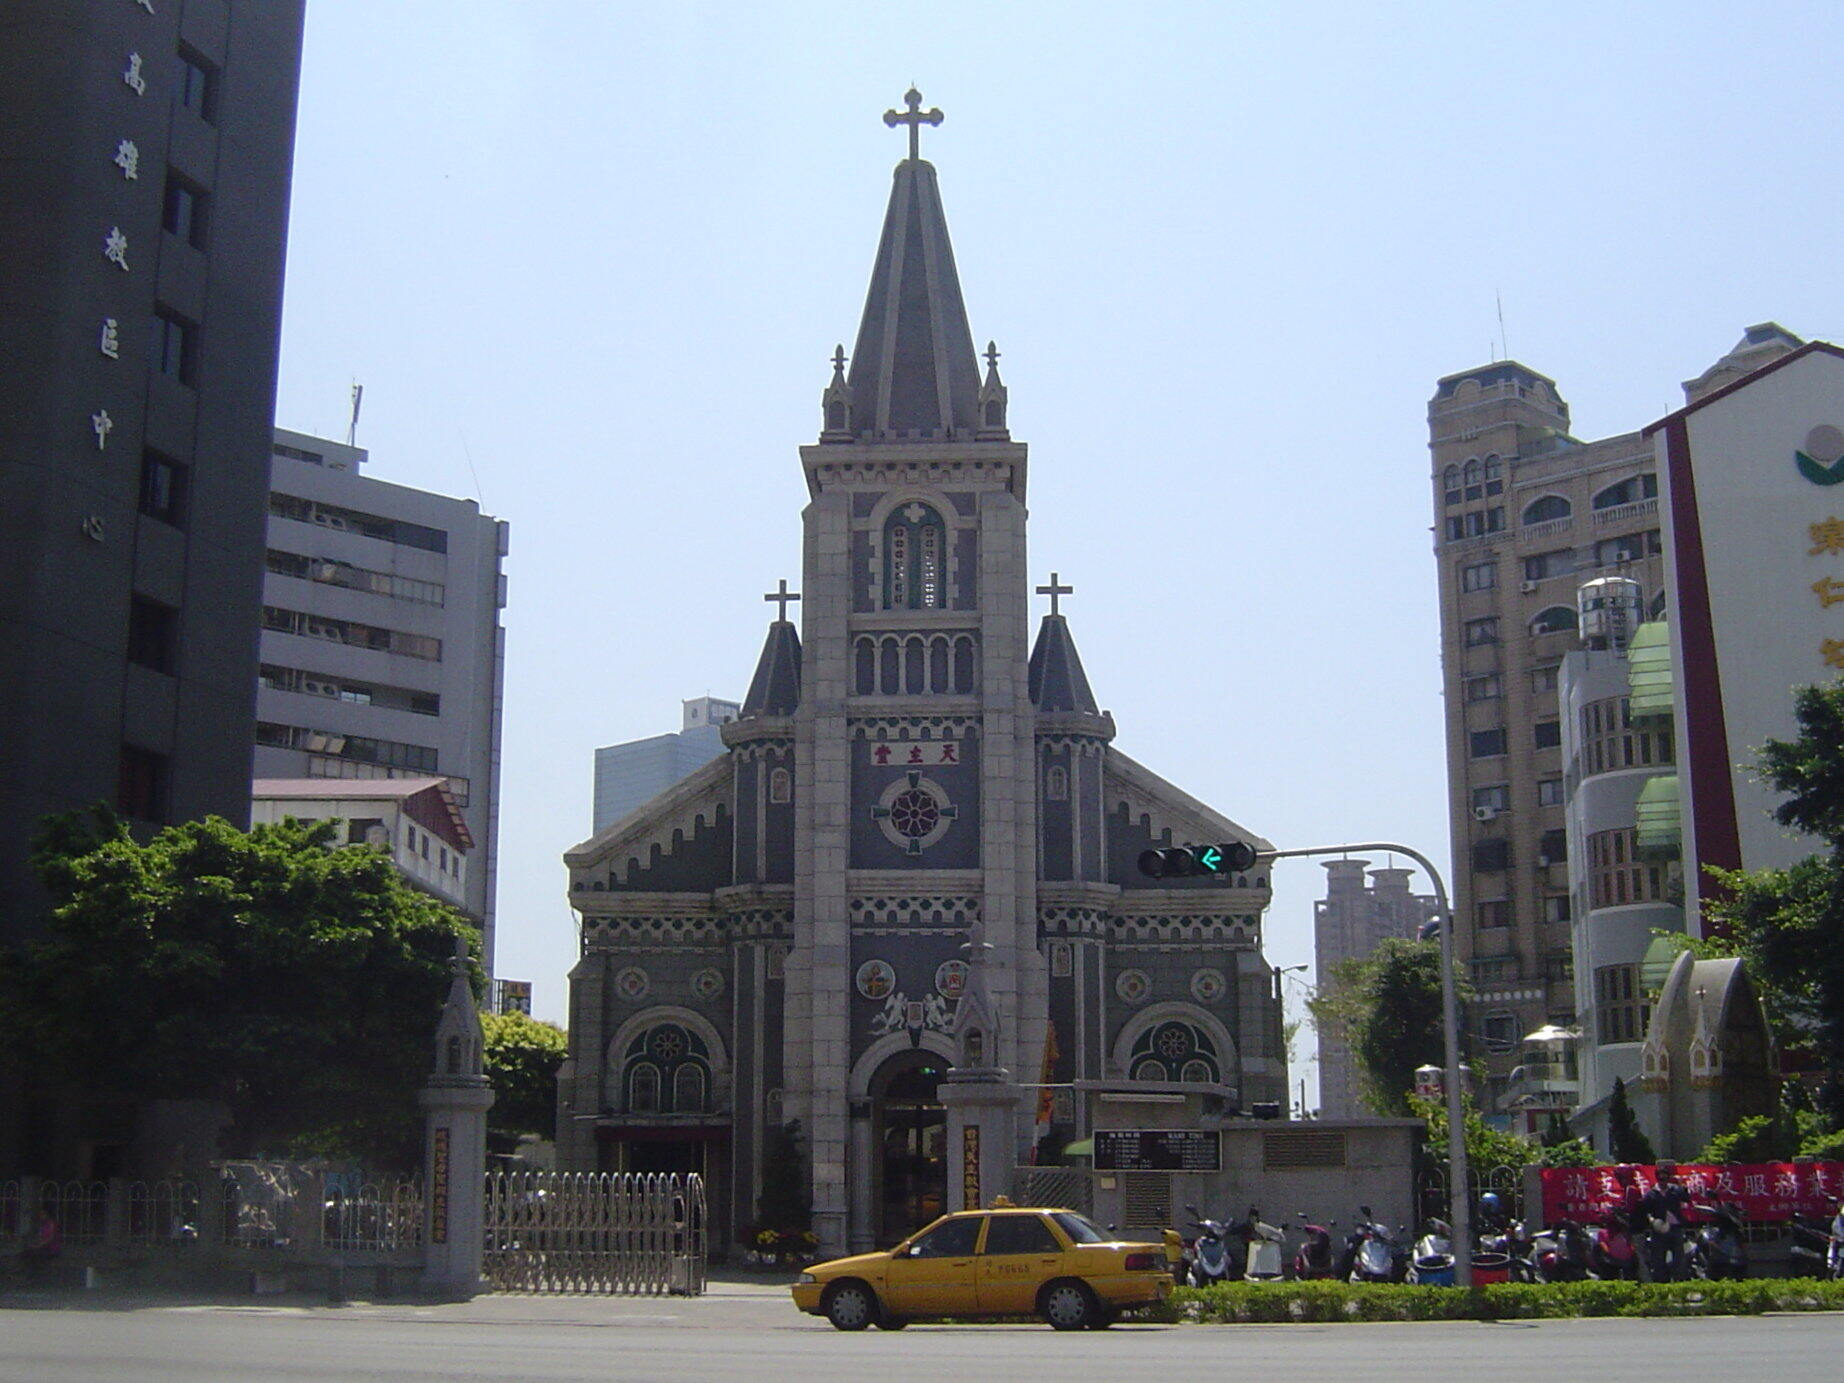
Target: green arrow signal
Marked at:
1209, 858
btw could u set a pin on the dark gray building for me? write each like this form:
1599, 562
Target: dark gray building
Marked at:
145, 151
782, 935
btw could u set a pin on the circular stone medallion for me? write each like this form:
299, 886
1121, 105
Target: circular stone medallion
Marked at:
708, 983
632, 984
876, 978
1133, 986
1207, 986
951, 978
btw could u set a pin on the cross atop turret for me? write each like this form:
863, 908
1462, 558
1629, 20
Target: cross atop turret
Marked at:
915, 117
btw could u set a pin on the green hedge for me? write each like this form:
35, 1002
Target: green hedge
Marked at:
1320, 1302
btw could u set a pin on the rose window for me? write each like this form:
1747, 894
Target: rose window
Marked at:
668, 1044
914, 813
1173, 1041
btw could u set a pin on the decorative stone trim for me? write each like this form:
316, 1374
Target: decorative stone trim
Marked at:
601, 933
995, 474
1217, 930
1072, 921
914, 727
927, 912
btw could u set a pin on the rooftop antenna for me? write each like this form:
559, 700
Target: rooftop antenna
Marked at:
1503, 344
352, 428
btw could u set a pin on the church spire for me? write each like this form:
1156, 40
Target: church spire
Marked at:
1057, 680
914, 375
775, 689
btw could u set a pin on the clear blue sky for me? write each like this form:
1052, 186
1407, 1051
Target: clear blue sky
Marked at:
597, 255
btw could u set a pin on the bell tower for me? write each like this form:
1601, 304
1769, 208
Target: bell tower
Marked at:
915, 817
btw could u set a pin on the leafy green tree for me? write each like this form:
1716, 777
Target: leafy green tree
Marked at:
1487, 1149
297, 983
1387, 1006
1626, 1141
521, 1056
1788, 924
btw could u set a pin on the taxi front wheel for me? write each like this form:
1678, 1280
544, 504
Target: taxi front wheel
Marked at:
850, 1305
1069, 1305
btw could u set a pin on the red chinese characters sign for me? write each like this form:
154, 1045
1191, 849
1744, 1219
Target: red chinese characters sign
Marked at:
1764, 1190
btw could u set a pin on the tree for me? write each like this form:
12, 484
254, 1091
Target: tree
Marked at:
1788, 924
785, 1206
1487, 1149
1626, 1141
1387, 1007
297, 983
522, 1055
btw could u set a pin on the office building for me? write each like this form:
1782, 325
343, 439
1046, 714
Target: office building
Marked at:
148, 150
1524, 513
382, 650
1361, 908
628, 775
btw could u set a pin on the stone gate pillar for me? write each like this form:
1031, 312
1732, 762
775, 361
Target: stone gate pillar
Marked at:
455, 1098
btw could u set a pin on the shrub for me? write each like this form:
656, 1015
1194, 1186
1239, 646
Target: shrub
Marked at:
1326, 1302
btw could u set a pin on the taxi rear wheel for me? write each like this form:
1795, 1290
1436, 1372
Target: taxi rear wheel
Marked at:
1068, 1305
849, 1305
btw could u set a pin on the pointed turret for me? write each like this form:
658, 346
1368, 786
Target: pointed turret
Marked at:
914, 375
1058, 682
775, 689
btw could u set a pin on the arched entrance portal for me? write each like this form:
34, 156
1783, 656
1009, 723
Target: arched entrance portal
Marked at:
911, 1130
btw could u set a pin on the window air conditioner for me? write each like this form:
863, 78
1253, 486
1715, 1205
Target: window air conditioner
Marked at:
1485, 813
1528, 587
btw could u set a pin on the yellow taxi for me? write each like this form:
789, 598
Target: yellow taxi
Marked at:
1005, 1261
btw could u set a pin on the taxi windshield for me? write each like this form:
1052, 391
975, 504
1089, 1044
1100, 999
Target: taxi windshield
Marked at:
1079, 1228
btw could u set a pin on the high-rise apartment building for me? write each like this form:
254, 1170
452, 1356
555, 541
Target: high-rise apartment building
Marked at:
1524, 514
148, 150
382, 650
628, 775
1361, 908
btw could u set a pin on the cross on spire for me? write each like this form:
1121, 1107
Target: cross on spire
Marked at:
781, 597
1053, 591
992, 360
839, 358
915, 117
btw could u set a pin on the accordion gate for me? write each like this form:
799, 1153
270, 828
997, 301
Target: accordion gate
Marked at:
604, 1232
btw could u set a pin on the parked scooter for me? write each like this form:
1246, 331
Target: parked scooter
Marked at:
1561, 1254
1375, 1256
1715, 1249
1612, 1255
1208, 1259
1316, 1259
1818, 1246
1433, 1265
1263, 1260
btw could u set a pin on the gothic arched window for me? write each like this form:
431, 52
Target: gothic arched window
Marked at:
915, 559
780, 786
1174, 1051
668, 1071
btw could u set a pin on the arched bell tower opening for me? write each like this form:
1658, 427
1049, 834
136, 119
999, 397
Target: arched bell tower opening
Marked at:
910, 1132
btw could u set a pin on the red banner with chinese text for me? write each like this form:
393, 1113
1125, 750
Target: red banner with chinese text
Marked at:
1764, 1190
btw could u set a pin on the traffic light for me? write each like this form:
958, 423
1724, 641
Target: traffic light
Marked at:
1183, 861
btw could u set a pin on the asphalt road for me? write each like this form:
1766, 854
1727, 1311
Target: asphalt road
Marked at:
750, 1332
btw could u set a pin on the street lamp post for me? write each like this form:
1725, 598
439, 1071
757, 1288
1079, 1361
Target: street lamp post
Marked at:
1459, 1203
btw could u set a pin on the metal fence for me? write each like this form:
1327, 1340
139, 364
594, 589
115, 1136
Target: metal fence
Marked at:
374, 1217
595, 1232
1508, 1182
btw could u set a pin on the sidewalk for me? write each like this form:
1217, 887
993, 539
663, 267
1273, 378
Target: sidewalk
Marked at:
728, 1300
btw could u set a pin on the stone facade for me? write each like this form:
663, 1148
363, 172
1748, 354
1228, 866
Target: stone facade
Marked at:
783, 936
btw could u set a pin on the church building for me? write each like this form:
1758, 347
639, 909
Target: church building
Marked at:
783, 936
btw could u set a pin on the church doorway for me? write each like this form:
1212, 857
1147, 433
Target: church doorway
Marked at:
911, 1130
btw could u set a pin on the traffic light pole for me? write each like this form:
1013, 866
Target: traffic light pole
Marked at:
1460, 1210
